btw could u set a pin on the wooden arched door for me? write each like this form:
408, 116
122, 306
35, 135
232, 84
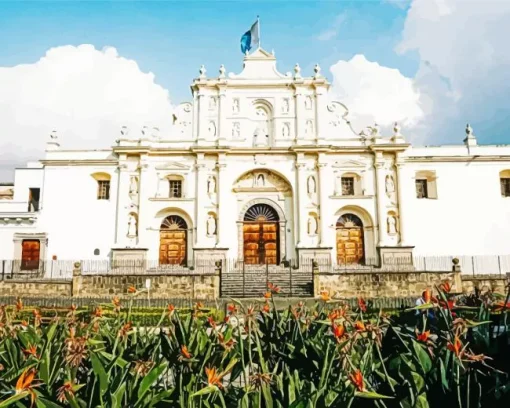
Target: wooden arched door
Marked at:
350, 247
261, 243
173, 241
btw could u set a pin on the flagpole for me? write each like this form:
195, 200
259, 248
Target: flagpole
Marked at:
258, 29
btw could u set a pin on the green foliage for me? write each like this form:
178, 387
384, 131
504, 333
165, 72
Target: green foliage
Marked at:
322, 355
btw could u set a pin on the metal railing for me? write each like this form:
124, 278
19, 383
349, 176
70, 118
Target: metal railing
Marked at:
36, 270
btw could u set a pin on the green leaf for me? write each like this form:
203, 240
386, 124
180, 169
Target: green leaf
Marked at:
422, 356
149, 379
100, 372
13, 399
371, 395
422, 402
117, 396
207, 390
44, 403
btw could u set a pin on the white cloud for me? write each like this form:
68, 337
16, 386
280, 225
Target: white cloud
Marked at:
84, 93
465, 70
332, 31
375, 94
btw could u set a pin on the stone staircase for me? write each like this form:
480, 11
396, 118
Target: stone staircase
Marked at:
252, 280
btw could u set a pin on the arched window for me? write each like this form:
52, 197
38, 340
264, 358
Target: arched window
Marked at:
103, 185
504, 179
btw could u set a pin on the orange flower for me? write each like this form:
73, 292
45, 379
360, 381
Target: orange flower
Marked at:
456, 346
362, 304
124, 330
325, 296
338, 331
267, 295
266, 308
19, 304
24, 383
67, 388
73, 308
131, 289
171, 309
446, 287
116, 303
213, 378
231, 308
211, 322
31, 351
185, 353
98, 312
226, 319
359, 326
37, 317
333, 315
427, 296
357, 379
423, 336
273, 288
199, 305
24, 323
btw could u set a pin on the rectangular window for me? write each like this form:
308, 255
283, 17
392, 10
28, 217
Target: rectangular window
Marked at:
505, 187
103, 190
30, 254
33, 199
175, 188
347, 186
421, 189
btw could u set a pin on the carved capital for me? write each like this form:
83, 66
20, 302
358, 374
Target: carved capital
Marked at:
300, 166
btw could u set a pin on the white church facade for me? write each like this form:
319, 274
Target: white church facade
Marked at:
261, 167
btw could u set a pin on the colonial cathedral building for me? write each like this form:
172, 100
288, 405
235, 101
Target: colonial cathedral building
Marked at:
261, 167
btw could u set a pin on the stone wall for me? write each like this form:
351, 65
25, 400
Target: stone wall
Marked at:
161, 286
494, 283
36, 288
386, 284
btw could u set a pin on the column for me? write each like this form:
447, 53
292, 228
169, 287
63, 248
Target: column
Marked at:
301, 215
380, 193
320, 110
399, 165
143, 216
194, 122
324, 213
299, 114
200, 197
201, 117
222, 195
122, 204
222, 107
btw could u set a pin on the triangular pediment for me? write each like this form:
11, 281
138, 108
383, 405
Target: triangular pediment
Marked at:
260, 54
349, 164
259, 65
172, 166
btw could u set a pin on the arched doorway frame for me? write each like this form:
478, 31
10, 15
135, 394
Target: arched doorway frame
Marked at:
282, 223
368, 231
167, 212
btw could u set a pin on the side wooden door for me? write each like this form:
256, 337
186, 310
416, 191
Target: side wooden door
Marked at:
30, 255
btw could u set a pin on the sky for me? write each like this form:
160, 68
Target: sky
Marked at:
87, 68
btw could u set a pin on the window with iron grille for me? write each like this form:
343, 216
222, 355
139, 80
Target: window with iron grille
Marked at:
421, 189
103, 189
175, 188
505, 187
348, 186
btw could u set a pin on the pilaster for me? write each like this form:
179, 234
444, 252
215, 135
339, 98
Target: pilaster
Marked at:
200, 194
324, 209
380, 193
401, 206
222, 194
143, 195
122, 205
202, 117
320, 111
299, 105
301, 194
222, 108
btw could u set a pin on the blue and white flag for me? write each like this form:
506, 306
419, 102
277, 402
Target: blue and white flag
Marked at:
251, 38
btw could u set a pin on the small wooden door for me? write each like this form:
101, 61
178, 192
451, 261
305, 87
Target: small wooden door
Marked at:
30, 255
260, 243
173, 241
349, 240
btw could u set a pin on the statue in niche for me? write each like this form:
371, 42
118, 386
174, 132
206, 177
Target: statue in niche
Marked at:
311, 185
133, 185
131, 226
312, 225
390, 185
259, 182
286, 130
236, 130
211, 185
308, 102
211, 225
285, 106
392, 225
309, 128
235, 106
212, 129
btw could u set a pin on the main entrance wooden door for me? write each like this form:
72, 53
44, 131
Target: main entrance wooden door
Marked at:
173, 236
349, 240
30, 254
261, 235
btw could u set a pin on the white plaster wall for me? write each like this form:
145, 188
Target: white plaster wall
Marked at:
469, 216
